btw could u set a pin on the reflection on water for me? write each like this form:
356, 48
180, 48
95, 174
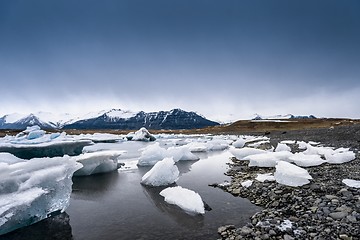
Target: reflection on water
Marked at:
93, 186
55, 228
177, 214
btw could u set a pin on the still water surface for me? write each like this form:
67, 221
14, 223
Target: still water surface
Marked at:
116, 206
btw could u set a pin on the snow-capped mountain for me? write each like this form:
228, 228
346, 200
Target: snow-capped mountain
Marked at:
286, 116
108, 119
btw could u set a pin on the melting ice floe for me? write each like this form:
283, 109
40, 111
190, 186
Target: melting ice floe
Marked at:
163, 173
31, 190
291, 175
98, 162
154, 153
351, 183
186, 199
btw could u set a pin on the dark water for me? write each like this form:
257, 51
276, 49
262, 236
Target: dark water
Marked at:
117, 206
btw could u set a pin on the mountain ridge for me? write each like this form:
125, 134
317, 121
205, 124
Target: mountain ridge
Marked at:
108, 119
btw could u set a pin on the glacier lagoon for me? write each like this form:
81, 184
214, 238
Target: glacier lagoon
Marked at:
116, 206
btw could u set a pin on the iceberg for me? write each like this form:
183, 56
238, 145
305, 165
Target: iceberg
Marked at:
304, 160
34, 189
291, 175
351, 183
98, 162
186, 199
163, 173
141, 135
240, 154
34, 143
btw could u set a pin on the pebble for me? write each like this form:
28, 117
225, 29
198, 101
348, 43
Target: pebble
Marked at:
323, 209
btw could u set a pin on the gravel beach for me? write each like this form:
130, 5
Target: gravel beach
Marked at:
325, 208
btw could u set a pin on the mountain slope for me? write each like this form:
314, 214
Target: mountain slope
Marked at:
174, 119
108, 119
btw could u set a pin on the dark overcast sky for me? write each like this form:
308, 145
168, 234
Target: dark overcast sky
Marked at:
219, 58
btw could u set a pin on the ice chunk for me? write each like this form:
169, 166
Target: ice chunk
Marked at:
141, 135
186, 199
197, 147
282, 147
181, 153
35, 134
265, 177
163, 173
31, 190
151, 155
291, 175
217, 145
268, 159
304, 160
240, 154
288, 142
98, 162
247, 183
239, 143
351, 183
340, 157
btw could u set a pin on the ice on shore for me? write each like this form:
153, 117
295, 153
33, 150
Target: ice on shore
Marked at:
247, 183
282, 147
240, 154
186, 199
141, 135
163, 173
304, 160
268, 159
31, 190
265, 177
351, 183
340, 157
98, 162
291, 175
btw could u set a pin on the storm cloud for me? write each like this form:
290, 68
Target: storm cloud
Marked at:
223, 59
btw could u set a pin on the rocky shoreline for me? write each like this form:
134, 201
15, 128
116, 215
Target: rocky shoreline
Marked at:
324, 209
